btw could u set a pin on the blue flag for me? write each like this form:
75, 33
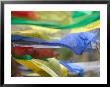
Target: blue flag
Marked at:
77, 42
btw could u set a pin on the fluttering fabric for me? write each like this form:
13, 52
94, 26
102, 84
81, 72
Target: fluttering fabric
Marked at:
73, 68
54, 19
75, 42
37, 53
51, 67
49, 33
30, 15
74, 30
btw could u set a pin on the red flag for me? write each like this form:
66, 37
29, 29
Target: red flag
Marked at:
24, 14
34, 52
